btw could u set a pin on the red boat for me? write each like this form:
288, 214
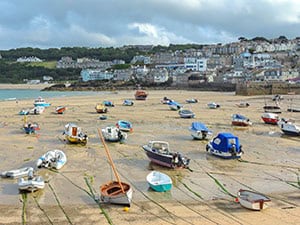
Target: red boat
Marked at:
270, 118
60, 109
239, 120
140, 95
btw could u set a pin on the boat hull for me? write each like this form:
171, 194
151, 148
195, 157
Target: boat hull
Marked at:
252, 200
272, 121
31, 185
159, 182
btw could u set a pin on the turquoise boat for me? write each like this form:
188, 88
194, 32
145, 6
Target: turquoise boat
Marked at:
159, 182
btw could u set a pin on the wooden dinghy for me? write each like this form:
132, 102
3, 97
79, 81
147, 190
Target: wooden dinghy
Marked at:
114, 192
253, 200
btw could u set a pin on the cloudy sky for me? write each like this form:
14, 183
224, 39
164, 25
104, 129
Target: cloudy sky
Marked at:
113, 23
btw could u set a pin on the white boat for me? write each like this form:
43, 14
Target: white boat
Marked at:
243, 105
159, 182
113, 134
33, 183
186, 113
270, 118
17, 173
240, 120
213, 105
41, 102
174, 105
289, 127
199, 131
74, 134
37, 110
252, 200
52, 159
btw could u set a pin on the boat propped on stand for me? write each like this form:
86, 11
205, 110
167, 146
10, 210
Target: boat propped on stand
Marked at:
74, 134
114, 192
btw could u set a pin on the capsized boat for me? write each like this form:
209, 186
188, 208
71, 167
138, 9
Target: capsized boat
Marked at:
289, 127
32, 183
158, 181
101, 108
253, 200
174, 105
140, 95
52, 159
270, 118
124, 125
41, 102
128, 102
200, 131
240, 120
114, 192
225, 145
60, 109
74, 134
213, 105
113, 134
159, 152
16, 173
186, 113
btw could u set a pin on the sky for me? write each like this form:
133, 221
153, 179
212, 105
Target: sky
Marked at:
114, 23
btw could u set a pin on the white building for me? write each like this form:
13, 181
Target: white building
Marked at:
195, 64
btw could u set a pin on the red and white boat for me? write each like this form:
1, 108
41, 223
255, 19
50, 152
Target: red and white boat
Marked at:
60, 109
270, 118
240, 120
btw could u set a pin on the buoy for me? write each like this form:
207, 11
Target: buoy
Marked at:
126, 209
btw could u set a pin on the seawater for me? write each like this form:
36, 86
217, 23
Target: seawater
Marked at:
19, 94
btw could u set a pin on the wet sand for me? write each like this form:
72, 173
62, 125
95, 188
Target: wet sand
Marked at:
270, 164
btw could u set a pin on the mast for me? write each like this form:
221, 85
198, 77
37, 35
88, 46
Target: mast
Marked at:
110, 159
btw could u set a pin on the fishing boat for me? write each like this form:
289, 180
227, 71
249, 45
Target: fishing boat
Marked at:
213, 105
270, 118
191, 100
108, 103
159, 152
60, 109
140, 95
37, 110
32, 183
240, 120
41, 102
114, 192
113, 134
243, 105
74, 134
128, 102
159, 182
31, 128
174, 105
289, 127
225, 145
16, 173
186, 113
253, 200
124, 125
199, 131
101, 108
55, 159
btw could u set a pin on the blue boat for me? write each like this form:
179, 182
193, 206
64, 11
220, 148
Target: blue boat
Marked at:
108, 103
199, 131
128, 102
41, 102
225, 145
174, 105
159, 182
124, 125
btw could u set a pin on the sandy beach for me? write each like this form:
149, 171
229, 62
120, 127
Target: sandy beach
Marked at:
270, 165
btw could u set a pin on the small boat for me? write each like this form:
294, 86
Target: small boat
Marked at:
140, 95
270, 118
31, 128
41, 102
124, 125
192, 100
159, 182
37, 110
74, 134
225, 145
103, 117
128, 102
101, 108
108, 103
24, 112
272, 109
113, 134
159, 152
17, 173
174, 105
240, 120
253, 200
199, 131
213, 105
186, 113
60, 109
33, 183
243, 105
114, 192
293, 109
52, 159
165, 100
289, 127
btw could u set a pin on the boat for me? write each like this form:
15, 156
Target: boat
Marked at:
199, 131
253, 200
128, 102
113, 134
293, 109
16, 173
52, 159
41, 102
60, 109
140, 95
270, 118
103, 117
277, 98
116, 191
101, 108
225, 145
124, 125
213, 105
243, 105
192, 100
74, 134
108, 103
186, 113
272, 109
24, 112
32, 183
37, 110
240, 120
174, 105
159, 152
31, 128
289, 127
159, 182
165, 100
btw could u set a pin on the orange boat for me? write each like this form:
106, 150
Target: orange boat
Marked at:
60, 109
140, 95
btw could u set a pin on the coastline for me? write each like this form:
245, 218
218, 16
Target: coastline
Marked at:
24, 86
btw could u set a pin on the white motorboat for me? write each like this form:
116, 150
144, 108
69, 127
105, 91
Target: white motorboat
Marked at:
289, 127
113, 134
52, 159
